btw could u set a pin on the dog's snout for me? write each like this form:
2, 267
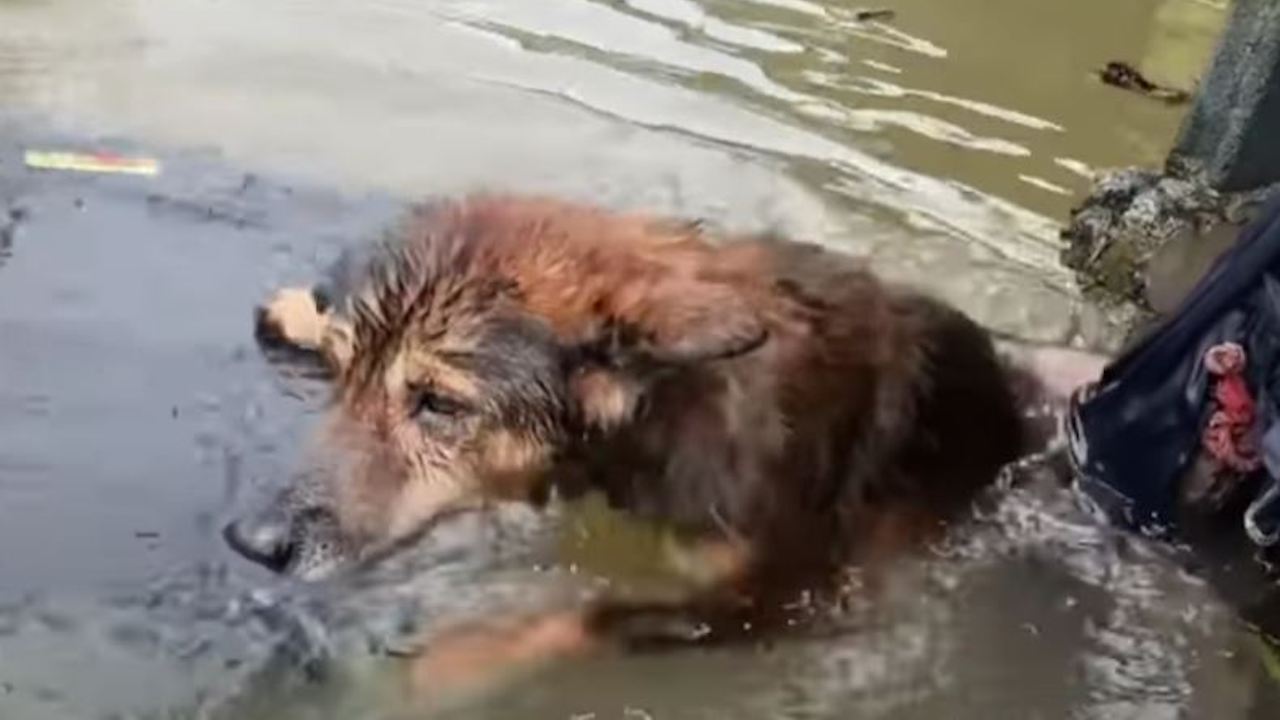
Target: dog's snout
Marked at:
266, 539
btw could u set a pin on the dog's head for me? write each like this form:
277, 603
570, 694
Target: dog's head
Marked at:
488, 341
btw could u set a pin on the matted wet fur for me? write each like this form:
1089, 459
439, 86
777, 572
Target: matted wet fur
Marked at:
772, 398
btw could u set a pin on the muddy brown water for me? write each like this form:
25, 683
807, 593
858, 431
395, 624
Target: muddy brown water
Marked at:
136, 413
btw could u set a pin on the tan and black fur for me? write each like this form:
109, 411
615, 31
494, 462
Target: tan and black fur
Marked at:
773, 399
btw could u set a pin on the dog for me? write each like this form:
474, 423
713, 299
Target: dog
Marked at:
772, 401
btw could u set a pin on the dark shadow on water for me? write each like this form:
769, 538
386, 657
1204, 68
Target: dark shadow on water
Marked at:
11, 219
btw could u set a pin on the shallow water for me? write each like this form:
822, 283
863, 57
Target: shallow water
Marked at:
135, 412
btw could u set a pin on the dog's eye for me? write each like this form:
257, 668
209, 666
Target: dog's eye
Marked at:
428, 401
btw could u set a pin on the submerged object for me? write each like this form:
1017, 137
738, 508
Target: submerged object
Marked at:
99, 162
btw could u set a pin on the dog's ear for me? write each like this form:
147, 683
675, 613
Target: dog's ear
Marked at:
681, 323
656, 329
302, 320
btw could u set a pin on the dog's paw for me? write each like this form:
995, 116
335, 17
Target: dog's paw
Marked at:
293, 318
469, 660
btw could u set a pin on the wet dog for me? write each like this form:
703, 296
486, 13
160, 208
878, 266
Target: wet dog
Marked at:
772, 401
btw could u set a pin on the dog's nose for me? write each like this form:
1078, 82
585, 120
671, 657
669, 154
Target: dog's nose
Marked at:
265, 539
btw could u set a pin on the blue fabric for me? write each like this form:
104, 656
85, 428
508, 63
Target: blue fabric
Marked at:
1262, 519
1133, 434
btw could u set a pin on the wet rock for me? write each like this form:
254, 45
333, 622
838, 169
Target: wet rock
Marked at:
1132, 214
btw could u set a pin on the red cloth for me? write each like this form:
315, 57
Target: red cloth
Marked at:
1228, 437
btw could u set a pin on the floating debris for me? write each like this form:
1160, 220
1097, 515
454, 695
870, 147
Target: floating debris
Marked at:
1126, 77
876, 14
91, 162
9, 223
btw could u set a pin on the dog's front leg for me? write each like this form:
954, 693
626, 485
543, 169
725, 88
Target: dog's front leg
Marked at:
468, 661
